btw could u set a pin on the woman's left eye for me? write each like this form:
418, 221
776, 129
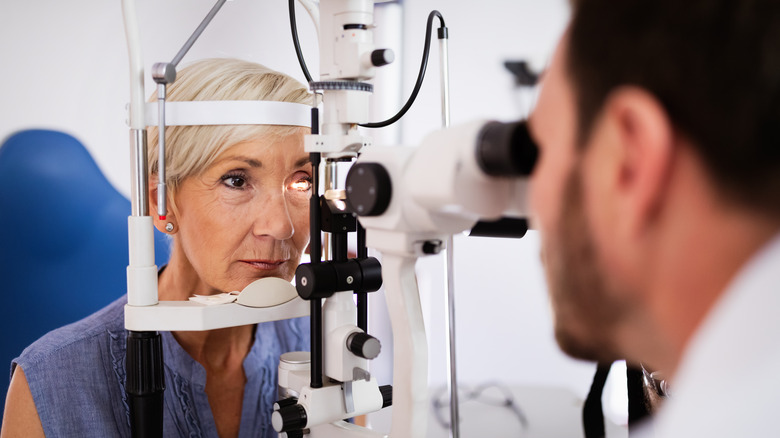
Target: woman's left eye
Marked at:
302, 184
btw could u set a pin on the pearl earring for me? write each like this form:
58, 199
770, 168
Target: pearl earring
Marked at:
169, 227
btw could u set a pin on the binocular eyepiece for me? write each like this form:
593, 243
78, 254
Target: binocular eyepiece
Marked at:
506, 149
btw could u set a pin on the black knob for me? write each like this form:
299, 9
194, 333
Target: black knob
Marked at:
145, 382
289, 418
432, 246
369, 189
364, 345
285, 402
370, 273
387, 395
322, 280
318, 280
382, 57
145, 375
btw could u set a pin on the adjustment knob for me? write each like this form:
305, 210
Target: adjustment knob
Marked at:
382, 57
369, 189
316, 280
364, 345
279, 404
387, 395
289, 418
322, 280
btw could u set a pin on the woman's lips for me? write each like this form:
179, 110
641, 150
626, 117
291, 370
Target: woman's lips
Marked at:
264, 265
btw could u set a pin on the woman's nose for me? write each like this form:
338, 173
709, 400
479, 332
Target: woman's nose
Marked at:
272, 218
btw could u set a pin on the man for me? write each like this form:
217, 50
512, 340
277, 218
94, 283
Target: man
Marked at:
657, 196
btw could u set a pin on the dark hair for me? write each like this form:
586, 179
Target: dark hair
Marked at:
713, 64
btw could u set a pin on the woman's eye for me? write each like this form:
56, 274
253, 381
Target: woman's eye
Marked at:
234, 181
301, 184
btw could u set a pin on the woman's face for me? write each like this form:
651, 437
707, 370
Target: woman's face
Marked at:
247, 215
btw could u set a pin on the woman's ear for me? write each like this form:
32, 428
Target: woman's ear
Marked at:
166, 224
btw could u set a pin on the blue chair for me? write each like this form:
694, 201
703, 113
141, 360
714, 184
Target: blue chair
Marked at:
63, 239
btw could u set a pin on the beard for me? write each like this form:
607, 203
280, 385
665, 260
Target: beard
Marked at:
587, 313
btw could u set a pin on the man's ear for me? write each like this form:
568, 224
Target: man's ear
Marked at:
645, 147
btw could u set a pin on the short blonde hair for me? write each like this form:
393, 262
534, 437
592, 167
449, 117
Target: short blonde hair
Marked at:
190, 150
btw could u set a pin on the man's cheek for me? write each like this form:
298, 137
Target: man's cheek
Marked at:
539, 200
545, 203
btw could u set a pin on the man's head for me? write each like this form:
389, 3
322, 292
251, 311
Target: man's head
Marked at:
659, 126
714, 67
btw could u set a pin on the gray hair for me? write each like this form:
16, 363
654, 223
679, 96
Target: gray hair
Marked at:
190, 150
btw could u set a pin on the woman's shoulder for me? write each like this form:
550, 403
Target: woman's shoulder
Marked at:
76, 338
80, 364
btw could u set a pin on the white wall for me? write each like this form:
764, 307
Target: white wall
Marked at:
503, 319
64, 63
64, 66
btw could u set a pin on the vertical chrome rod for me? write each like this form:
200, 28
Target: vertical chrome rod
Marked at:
452, 384
139, 188
161, 190
445, 82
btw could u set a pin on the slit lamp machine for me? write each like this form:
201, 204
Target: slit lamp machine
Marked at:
404, 202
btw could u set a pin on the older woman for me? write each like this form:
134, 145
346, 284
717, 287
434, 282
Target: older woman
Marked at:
237, 211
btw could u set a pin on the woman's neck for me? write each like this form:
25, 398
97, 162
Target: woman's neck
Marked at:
179, 280
214, 349
218, 349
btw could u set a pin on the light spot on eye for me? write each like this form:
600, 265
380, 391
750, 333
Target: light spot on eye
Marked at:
302, 185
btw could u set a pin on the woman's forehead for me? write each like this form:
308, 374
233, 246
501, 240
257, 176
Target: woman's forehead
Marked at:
254, 153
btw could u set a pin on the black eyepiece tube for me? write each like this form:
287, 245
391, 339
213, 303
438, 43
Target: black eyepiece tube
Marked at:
506, 149
145, 384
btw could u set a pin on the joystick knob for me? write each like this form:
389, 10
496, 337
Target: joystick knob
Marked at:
288, 418
382, 57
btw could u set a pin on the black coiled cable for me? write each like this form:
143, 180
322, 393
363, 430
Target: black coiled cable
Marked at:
420, 74
298, 52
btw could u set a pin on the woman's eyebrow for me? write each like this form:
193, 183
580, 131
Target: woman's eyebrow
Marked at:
250, 161
302, 162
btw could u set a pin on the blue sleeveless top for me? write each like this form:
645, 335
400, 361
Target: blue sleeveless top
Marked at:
76, 376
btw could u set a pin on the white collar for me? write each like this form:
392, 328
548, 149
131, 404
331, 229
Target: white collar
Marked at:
733, 354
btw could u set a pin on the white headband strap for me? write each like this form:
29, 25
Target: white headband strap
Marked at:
230, 112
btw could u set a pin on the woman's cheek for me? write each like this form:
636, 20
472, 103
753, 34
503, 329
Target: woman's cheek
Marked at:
302, 228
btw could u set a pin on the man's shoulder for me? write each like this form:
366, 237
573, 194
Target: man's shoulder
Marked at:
77, 339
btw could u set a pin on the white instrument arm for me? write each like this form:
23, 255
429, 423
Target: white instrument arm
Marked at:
410, 348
